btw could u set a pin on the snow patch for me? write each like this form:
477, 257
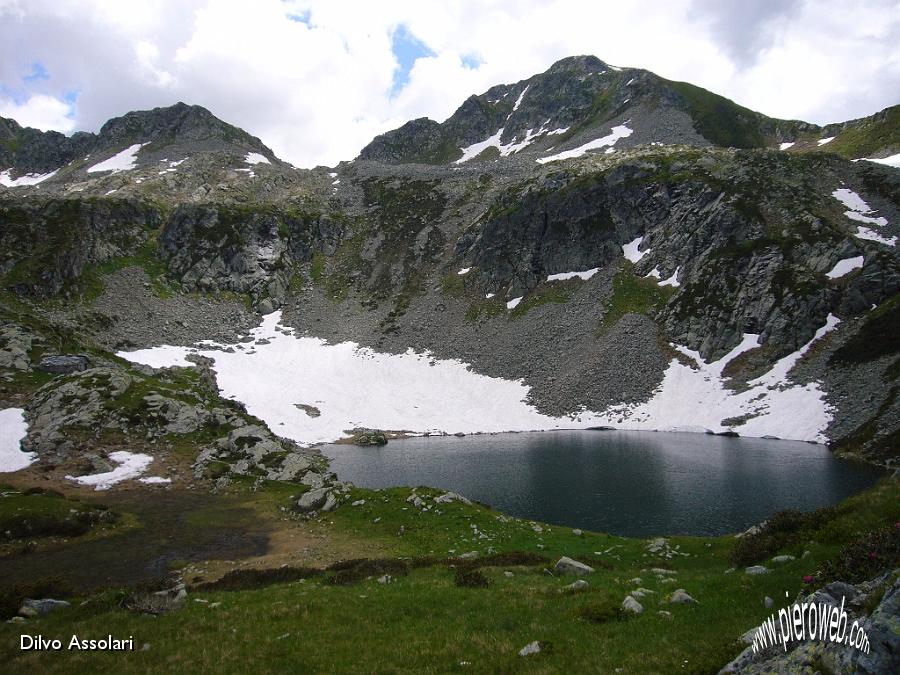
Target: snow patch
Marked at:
844, 267
565, 276
672, 280
871, 235
689, 398
125, 160
893, 160
631, 252
7, 180
13, 429
621, 131
419, 393
851, 200
857, 209
785, 146
477, 148
823, 141
512, 304
464, 270
489, 296
519, 100
131, 465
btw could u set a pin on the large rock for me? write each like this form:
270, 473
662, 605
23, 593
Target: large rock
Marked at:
566, 565
63, 364
314, 499
32, 608
756, 570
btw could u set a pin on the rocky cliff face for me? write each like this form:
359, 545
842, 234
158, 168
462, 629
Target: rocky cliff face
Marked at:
684, 221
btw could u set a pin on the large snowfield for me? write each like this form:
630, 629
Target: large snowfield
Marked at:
357, 387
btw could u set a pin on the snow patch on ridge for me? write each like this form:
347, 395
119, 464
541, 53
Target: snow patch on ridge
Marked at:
519, 100
565, 276
125, 160
621, 131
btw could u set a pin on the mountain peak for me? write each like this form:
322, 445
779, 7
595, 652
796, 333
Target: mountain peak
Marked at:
581, 62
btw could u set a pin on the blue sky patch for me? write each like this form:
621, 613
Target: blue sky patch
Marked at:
472, 61
407, 50
301, 17
38, 72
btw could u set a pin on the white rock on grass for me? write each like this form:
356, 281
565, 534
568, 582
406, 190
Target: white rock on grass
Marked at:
575, 586
530, 649
639, 593
629, 604
756, 570
659, 571
566, 565
781, 559
681, 597
448, 497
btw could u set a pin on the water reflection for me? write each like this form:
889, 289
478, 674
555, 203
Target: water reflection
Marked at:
628, 483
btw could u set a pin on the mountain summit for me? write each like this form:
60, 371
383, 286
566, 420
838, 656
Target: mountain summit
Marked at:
582, 103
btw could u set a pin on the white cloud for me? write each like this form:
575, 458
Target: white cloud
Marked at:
316, 92
41, 112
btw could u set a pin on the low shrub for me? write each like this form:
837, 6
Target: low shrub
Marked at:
239, 580
868, 556
471, 578
782, 529
602, 611
352, 571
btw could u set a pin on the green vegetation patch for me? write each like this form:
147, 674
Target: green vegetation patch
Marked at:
424, 622
633, 294
543, 295
36, 513
720, 120
870, 137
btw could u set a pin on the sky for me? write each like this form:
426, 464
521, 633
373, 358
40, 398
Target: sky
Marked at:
316, 80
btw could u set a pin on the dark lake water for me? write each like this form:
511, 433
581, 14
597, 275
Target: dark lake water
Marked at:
623, 482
